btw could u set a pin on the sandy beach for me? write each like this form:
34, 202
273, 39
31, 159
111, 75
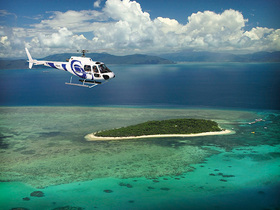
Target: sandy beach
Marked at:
92, 137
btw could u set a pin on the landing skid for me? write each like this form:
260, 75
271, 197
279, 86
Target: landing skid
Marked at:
93, 84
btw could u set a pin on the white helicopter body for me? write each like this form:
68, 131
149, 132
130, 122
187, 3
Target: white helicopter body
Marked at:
89, 71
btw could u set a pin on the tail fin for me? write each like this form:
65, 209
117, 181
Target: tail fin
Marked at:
30, 60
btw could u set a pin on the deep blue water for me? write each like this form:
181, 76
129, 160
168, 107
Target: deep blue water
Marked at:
211, 85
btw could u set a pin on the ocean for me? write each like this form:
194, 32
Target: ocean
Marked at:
46, 163
223, 85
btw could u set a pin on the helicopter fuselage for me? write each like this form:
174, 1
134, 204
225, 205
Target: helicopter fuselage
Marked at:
84, 68
89, 71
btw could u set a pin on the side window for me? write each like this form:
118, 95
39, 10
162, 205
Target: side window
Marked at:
87, 68
95, 70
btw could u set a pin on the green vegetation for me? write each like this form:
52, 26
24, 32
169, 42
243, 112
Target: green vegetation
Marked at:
174, 126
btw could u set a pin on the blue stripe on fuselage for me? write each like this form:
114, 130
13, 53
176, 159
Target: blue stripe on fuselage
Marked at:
64, 67
52, 65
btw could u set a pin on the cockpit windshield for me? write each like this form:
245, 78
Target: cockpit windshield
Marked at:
104, 69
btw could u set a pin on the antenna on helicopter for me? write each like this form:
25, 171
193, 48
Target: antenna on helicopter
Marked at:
83, 52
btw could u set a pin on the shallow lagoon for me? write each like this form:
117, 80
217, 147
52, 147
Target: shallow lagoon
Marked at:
43, 148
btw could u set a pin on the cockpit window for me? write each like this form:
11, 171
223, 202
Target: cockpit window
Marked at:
104, 69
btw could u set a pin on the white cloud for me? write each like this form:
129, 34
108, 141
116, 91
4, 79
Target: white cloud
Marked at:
11, 42
4, 41
208, 30
168, 25
76, 21
62, 38
6, 13
97, 3
258, 33
124, 28
126, 10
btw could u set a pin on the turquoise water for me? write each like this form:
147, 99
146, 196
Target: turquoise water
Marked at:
43, 124
43, 149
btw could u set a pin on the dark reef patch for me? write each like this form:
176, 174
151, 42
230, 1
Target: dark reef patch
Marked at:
125, 185
49, 134
165, 188
52, 144
227, 176
254, 156
261, 192
7, 180
274, 154
28, 152
19, 149
3, 143
37, 194
108, 191
68, 208
87, 151
223, 175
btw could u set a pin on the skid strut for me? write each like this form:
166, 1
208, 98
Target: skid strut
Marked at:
93, 84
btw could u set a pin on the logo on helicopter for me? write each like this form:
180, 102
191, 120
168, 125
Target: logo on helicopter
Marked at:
77, 68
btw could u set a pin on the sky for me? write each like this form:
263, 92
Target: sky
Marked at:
123, 27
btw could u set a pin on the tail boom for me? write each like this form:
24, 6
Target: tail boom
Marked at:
52, 64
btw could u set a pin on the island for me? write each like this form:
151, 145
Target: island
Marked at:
164, 128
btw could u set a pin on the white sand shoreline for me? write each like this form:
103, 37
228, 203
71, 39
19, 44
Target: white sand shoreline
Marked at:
92, 137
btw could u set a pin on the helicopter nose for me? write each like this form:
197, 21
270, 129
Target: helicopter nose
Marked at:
112, 75
109, 76
106, 77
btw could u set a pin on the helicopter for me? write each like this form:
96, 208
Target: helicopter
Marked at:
91, 73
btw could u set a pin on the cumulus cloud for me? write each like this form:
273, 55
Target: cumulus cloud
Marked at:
124, 28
